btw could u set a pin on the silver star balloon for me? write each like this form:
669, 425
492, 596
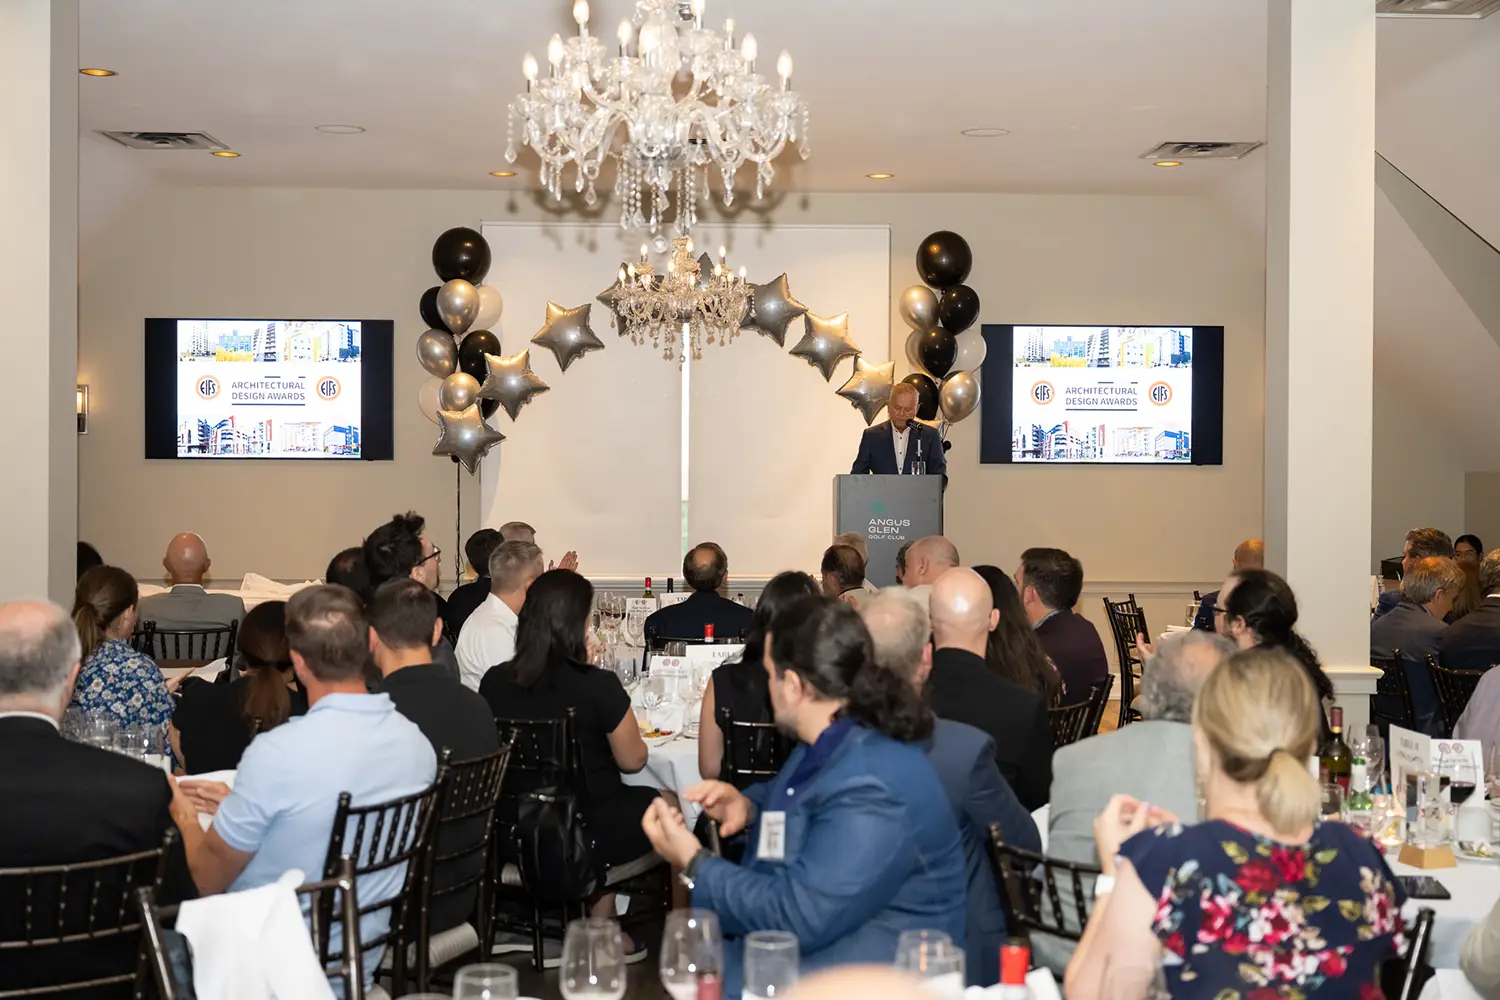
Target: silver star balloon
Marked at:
511, 382
465, 436
567, 334
869, 388
826, 342
772, 310
610, 299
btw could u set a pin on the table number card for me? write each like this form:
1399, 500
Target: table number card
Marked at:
1410, 752
676, 597
707, 658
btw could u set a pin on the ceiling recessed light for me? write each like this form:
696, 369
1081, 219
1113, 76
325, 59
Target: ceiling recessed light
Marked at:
225, 152
96, 71
502, 173
880, 177
985, 133
340, 129
1167, 163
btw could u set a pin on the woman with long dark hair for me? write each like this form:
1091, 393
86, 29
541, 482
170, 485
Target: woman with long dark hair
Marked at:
115, 679
854, 841
1013, 650
214, 723
741, 683
1257, 608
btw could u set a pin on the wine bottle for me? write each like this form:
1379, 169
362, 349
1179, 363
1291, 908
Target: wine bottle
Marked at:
708, 631
1358, 807
1015, 962
1334, 757
648, 588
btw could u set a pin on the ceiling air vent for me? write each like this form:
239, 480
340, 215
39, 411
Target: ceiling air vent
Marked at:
165, 140
1436, 8
1200, 151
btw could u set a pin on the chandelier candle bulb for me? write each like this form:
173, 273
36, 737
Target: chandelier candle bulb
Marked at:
784, 68
623, 34
555, 53
749, 51
581, 15
528, 69
729, 34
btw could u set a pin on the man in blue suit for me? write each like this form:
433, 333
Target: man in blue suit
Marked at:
964, 759
895, 446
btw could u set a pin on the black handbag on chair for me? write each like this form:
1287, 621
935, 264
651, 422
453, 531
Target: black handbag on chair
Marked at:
554, 849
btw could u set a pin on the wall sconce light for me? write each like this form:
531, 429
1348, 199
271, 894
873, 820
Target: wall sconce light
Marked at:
83, 409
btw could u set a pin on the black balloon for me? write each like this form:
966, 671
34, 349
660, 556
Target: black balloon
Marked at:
958, 308
487, 408
927, 395
944, 259
429, 310
471, 353
947, 445
936, 350
461, 253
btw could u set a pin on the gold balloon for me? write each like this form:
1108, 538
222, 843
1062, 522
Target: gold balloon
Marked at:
869, 388
826, 342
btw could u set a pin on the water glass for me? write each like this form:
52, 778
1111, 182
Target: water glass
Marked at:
99, 731
771, 960
691, 946
133, 742
489, 981
651, 697
1332, 802
939, 964
593, 961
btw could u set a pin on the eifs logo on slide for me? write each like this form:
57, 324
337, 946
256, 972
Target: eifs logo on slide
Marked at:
1160, 393
1043, 393
208, 387
329, 388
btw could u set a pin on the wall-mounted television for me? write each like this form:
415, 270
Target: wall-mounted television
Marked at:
269, 389
1103, 395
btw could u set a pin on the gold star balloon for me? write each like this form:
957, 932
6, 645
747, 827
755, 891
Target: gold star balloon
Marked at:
869, 388
465, 436
567, 334
511, 382
826, 342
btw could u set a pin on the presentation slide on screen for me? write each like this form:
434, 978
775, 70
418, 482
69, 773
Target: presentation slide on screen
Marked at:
267, 389
1102, 394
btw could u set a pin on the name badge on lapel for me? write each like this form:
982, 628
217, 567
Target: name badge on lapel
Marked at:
772, 845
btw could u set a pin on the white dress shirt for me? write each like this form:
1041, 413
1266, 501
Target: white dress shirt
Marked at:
487, 639
900, 438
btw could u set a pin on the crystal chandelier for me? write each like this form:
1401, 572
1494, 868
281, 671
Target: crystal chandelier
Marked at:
690, 300
665, 136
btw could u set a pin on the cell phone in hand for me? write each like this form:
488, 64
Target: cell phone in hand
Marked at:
1423, 887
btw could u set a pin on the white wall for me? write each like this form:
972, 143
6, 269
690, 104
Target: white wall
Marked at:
1417, 481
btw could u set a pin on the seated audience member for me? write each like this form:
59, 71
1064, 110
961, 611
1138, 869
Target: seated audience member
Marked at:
1249, 554
88, 558
962, 688
1414, 627
844, 574
518, 531
66, 802
1468, 550
187, 605
400, 548
926, 560
901, 554
1480, 956
348, 569
1258, 608
280, 813
1050, 581
403, 620
964, 759
214, 723
467, 597
1421, 543
115, 680
854, 841
1469, 596
1013, 651
489, 636
1481, 717
1234, 892
856, 541
1473, 642
741, 683
1151, 761
706, 570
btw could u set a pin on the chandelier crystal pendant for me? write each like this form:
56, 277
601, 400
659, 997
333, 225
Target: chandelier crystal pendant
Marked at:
682, 100
689, 301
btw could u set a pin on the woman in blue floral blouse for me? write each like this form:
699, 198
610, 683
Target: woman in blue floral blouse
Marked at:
115, 679
1261, 900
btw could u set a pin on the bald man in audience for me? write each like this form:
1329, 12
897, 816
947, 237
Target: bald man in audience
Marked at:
706, 570
1249, 554
926, 560
187, 605
961, 688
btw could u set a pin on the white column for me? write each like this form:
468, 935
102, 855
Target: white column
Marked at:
1320, 249
38, 297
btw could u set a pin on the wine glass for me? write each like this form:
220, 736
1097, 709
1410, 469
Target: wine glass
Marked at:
625, 669
1462, 776
771, 960
932, 957
691, 946
132, 741
99, 730
488, 981
593, 961
651, 697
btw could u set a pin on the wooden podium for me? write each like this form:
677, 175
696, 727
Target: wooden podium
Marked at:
888, 512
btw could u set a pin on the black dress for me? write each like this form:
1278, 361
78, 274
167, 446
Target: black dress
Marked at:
613, 808
743, 689
212, 730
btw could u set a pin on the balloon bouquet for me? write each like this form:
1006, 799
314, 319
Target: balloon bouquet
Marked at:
942, 348
470, 378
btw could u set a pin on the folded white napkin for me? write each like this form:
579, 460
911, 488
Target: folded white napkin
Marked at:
206, 820
253, 945
254, 583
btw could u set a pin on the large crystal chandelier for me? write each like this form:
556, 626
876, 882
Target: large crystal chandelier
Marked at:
686, 101
698, 300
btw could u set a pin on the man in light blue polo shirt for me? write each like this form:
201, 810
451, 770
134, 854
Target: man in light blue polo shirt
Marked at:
286, 790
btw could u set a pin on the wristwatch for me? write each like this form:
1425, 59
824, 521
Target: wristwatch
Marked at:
1104, 885
691, 868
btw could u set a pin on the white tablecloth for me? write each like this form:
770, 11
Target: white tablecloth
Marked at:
1475, 886
672, 763
1449, 984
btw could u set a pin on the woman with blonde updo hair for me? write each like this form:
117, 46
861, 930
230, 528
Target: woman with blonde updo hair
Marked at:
1261, 898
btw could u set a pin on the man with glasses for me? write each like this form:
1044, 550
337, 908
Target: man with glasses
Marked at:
400, 548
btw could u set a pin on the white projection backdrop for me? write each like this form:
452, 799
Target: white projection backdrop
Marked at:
596, 464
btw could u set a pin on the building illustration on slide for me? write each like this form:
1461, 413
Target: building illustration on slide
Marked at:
268, 340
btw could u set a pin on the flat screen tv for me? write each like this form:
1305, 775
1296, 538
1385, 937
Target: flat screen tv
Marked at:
269, 389
1103, 395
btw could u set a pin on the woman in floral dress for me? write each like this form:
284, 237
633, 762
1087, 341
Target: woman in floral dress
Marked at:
115, 680
1261, 900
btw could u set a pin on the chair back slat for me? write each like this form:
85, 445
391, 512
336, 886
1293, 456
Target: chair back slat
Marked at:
1419, 939
753, 751
1025, 878
1454, 688
1071, 723
1392, 686
1126, 621
198, 644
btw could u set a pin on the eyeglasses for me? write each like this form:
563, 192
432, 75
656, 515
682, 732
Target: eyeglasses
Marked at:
1219, 609
433, 555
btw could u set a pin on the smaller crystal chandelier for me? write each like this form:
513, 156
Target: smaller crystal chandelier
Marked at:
699, 304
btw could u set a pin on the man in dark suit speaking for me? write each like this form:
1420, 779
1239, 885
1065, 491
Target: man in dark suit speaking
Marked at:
900, 446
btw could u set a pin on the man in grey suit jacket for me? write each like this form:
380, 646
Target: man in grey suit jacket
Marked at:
187, 605
1150, 760
1414, 628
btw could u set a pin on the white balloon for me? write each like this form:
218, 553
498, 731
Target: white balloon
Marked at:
913, 342
490, 308
971, 351
427, 398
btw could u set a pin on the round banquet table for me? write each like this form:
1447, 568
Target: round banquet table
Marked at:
672, 761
